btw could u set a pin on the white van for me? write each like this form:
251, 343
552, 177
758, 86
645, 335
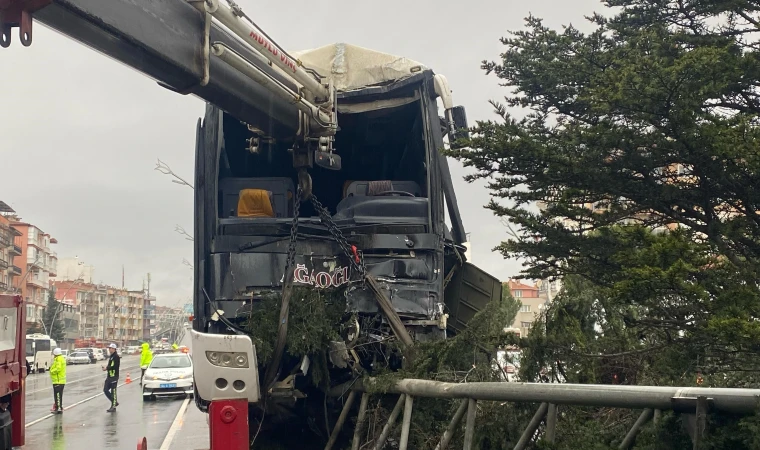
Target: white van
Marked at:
39, 351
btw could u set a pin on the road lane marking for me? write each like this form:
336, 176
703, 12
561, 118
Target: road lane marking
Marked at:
76, 381
67, 408
175, 426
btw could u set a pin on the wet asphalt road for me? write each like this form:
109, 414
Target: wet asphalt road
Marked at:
85, 424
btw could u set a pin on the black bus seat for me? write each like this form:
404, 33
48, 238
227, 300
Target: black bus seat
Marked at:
374, 188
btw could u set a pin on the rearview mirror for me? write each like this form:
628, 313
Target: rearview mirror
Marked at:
458, 121
327, 160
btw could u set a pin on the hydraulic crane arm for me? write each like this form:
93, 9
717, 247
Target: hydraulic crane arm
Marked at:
176, 43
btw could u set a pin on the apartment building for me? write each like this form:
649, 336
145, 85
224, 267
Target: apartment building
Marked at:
9, 249
38, 262
532, 303
105, 312
70, 318
121, 316
149, 317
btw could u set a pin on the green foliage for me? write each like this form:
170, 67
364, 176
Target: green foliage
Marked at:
466, 357
510, 307
639, 142
53, 318
314, 321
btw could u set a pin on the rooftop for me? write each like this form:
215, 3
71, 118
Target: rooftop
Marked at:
516, 285
4, 208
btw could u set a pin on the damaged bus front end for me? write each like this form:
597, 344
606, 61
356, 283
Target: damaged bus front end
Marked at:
388, 192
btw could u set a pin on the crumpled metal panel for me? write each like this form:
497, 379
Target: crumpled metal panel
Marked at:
410, 283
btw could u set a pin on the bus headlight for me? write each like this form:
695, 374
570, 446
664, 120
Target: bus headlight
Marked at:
237, 360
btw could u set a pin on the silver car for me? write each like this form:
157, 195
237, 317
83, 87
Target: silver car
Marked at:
168, 374
78, 358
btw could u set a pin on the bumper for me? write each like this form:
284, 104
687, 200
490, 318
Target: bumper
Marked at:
173, 387
223, 383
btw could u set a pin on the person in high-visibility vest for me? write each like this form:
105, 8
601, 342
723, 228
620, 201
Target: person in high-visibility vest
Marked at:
112, 377
145, 358
58, 377
175, 347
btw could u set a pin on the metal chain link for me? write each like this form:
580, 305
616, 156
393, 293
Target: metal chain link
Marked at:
350, 251
291, 258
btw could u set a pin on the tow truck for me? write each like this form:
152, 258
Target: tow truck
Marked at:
320, 169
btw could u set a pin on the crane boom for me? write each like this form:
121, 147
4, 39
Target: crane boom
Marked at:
166, 40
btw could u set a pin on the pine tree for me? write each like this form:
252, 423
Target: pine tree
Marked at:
639, 140
53, 318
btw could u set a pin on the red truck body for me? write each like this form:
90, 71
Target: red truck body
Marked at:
13, 361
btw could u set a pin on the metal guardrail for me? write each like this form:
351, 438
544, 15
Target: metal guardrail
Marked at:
696, 401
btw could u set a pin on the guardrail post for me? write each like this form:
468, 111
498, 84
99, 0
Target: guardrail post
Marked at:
532, 426
469, 430
449, 433
360, 421
630, 438
551, 423
701, 422
404, 441
341, 420
657, 416
391, 421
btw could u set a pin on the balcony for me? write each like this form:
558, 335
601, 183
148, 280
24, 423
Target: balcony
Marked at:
3, 264
33, 261
6, 239
16, 270
37, 282
15, 250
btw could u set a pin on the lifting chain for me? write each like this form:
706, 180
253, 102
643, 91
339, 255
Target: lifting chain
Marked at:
273, 369
291, 259
350, 251
356, 262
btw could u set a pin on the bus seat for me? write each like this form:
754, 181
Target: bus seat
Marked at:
255, 203
281, 195
346, 185
372, 188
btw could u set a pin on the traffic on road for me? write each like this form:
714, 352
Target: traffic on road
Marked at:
85, 422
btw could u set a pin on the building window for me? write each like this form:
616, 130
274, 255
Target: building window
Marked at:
517, 293
525, 324
525, 308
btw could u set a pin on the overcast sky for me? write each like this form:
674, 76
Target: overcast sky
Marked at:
81, 133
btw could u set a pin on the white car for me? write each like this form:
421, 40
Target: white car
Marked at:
168, 374
78, 358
